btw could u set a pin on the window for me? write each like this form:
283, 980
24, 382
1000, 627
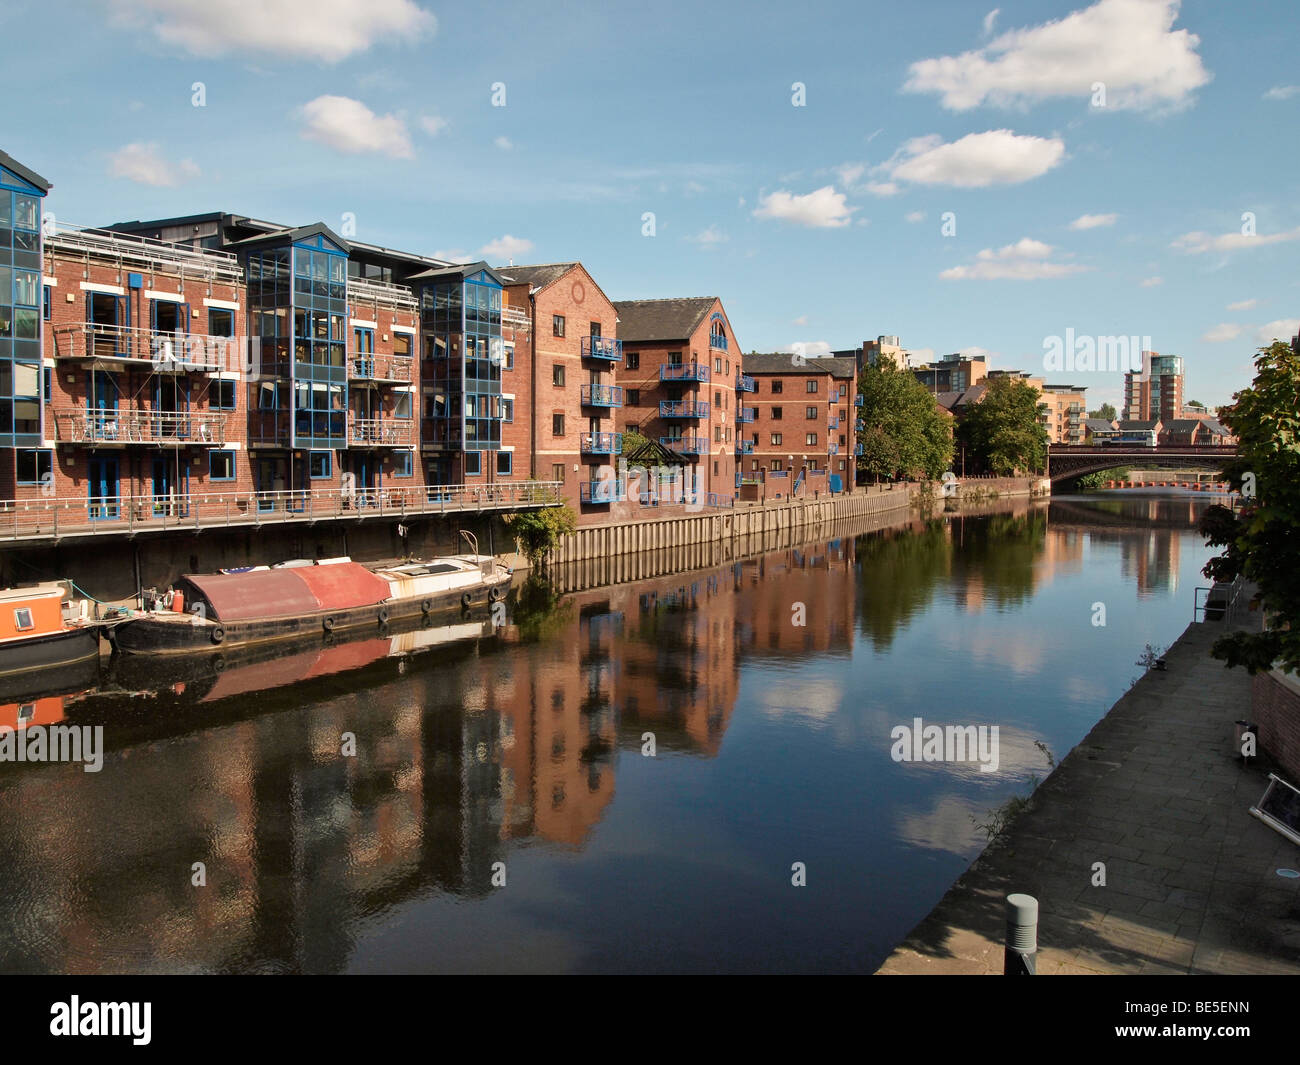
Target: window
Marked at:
812, 387
47, 373
809, 413
776, 413
473, 463
221, 465
674, 358
715, 467
363, 341
777, 466
841, 439
401, 404
266, 395
23, 619
717, 434
811, 440
634, 397
633, 360
35, 467
557, 375
557, 472
843, 414
841, 464
45, 303
221, 322
320, 465
403, 463
507, 408
222, 395
844, 390
717, 366
402, 344
778, 387
776, 439
505, 463
557, 424
557, 325
595, 329
508, 348
717, 400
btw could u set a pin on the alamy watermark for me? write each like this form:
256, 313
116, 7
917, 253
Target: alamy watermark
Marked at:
54, 743
920, 742
1074, 353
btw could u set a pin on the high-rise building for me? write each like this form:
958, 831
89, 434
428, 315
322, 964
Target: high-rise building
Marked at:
1156, 391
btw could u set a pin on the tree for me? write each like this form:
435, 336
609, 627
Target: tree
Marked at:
1002, 430
1105, 412
538, 531
1260, 538
904, 433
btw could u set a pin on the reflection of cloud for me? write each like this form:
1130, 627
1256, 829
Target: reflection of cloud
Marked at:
801, 697
1017, 758
945, 827
1024, 657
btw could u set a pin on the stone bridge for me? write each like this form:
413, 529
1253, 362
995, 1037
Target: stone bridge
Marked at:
1067, 461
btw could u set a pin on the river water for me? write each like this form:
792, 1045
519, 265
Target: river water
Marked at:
624, 778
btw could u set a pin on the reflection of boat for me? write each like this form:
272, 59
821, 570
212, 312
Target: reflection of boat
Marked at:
37, 634
264, 605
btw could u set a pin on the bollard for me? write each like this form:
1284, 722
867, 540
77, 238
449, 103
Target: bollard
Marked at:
1019, 957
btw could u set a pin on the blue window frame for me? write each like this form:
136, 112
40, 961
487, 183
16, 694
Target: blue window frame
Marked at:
473, 463
505, 463
46, 303
221, 465
47, 383
403, 463
508, 409
321, 464
222, 395
35, 465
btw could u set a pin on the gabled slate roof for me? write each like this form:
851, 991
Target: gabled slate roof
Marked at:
673, 319
28, 175
295, 235
536, 276
783, 362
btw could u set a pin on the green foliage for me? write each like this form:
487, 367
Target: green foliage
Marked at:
540, 612
1002, 431
633, 441
538, 531
1096, 480
1260, 539
1106, 412
904, 434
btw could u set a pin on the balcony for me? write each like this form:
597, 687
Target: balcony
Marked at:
602, 396
686, 445
744, 447
602, 348
380, 432
164, 352
683, 408
381, 369
745, 383
833, 423
156, 256
372, 290
601, 443
857, 400
859, 425
746, 415
718, 341
859, 450
154, 428
684, 371
602, 492
832, 449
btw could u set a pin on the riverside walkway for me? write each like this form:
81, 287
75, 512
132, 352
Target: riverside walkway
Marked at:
1155, 793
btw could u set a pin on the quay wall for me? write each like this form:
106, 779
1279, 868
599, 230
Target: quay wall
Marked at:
1275, 701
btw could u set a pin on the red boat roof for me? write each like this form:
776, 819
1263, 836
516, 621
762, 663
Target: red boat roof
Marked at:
275, 593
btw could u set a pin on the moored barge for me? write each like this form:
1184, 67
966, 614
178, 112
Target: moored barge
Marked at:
40, 633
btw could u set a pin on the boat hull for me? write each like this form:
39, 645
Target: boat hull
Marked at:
38, 654
170, 634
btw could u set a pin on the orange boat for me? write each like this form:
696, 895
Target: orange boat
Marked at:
39, 631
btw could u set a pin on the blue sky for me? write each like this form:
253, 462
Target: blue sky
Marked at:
816, 224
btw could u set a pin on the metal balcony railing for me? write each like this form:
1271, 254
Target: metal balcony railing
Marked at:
602, 396
176, 352
833, 423
372, 290
718, 341
602, 348
601, 443
744, 447
381, 432
602, 492
745, 383
857, 400
859, 450
683, 371
832, 449
746, 415
104, 425
381, 368
683, 408
155, 256
686, 445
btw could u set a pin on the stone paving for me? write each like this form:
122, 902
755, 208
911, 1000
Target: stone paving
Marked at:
1155, 792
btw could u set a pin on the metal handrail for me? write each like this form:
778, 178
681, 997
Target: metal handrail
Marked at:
390, 432
374, 290
130, 247
178, 351
106, 425
381, 366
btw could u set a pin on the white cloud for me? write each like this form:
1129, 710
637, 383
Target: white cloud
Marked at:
432, 124
1197, 243
977, 160
349, 126
1026, 260
1152, 282
328, 30
1130, 46
914, 216
506, 247
823, 209
1281, 329
809, 349
503, 143
1093, 221
709, 238
1282, 92
1222, 332
882, 188
1243, 305
458, 255
145, 163
989, 19
849, 173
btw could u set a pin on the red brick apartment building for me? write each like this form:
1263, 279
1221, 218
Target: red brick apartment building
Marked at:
684, 387
803, 436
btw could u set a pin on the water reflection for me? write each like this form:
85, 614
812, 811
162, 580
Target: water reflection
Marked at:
768, 685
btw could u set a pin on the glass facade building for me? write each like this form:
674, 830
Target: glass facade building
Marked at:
21, 290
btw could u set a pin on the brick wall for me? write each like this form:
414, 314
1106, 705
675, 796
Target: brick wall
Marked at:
1275, 706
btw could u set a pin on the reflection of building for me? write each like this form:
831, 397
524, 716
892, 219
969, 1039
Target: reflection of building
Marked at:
798, 601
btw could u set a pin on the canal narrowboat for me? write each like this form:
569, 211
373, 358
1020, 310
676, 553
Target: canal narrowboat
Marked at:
37, 633
226, 610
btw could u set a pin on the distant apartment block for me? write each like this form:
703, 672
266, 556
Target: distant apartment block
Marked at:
1156, 391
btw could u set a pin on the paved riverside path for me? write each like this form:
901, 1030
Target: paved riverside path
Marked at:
1155, 792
